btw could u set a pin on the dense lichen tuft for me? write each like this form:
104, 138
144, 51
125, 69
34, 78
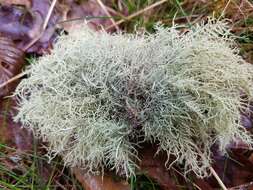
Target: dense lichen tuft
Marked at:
97, 96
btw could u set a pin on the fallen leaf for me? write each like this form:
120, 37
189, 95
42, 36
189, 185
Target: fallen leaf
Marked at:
247, 186
24, 23
26, 3
154, 167
93, 182
39, 10
11, 62
11, 133
233, 169
15, 22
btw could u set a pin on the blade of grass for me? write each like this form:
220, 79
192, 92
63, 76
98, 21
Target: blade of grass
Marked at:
184, 13
137, 14
12, 187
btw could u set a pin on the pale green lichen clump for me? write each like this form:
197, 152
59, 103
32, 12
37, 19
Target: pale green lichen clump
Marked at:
97, 96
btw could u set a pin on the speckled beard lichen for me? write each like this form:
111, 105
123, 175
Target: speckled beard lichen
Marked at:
96, 95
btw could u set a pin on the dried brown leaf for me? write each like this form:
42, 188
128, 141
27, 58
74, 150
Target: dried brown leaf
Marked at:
247, 186
24, 23
11, 62
154, 167
234, 169
11, 133
92, 182
26, 3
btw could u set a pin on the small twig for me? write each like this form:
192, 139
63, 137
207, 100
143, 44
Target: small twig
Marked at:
249, 3
217, 178
224, 10
59, 184
184, 13
137, 13
240, 10
101, 4
120, 5
115, 12
243, 186
82, 18
51, 8
186, 179
213, 172
12, 79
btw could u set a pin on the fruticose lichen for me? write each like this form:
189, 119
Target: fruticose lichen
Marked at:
97, 96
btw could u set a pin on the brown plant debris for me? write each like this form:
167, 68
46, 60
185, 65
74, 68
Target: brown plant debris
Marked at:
11, 62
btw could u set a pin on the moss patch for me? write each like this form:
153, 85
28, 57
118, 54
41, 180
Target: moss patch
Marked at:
97, 96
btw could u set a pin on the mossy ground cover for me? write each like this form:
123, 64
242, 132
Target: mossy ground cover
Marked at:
97, 96
187, 13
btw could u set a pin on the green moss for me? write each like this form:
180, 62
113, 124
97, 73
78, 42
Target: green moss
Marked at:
98, 96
